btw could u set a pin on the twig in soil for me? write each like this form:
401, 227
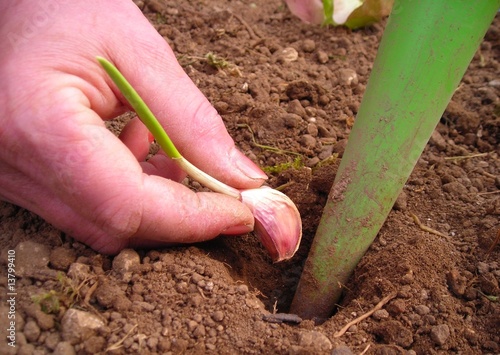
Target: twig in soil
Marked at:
366, 349
366, 315
250, 30
119, 343
489, 297
429, 229
275, 307
86, 301
460, 157
262, 146
494, 244
488, 193
281, 318
459, 87
90, 292
485, 173
285, 185
433, 231
201, 293
341, 285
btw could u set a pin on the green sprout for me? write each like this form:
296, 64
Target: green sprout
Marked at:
491, 298
49, 302
162, 138
66, 294
215, 61
296, 164
277, 219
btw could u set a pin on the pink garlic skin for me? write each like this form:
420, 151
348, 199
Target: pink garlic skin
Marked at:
277, 221
310, 11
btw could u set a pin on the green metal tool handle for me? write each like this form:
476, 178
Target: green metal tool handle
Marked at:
425, 50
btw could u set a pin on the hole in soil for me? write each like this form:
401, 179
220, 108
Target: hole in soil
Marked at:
247, 261
246, 258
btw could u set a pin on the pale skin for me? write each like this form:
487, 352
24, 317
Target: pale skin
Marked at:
57, 158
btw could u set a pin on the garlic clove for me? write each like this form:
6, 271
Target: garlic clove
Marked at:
309, 11
277, 221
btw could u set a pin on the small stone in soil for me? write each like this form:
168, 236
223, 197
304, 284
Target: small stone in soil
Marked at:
456, 282
348, 77
79, 272
26, 263
401, 202
44, 321
380, 314
61, 258
393, 331
126, 261
440, 334
314, 341
31, 331
64, 348
482, 267
342, 350
308, 46
78, 325
422, 309
396, 307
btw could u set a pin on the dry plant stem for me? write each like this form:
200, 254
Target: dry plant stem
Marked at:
460, 157
265, 147
435, 232
154, 126
494, 244
488, 297
89, 293
119, 343
488, 193
428, 229
366, 315
282, 318
366, 349
250, 30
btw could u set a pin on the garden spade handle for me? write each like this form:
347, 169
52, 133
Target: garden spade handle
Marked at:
425, 50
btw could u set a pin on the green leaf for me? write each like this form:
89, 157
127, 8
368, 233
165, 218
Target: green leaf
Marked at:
370, 12
147, 117
328, 11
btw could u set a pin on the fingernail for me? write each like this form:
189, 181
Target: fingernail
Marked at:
239, 229
248, 167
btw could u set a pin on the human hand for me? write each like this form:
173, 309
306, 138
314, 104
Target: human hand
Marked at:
57, 158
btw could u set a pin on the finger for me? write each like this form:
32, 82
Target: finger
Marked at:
18, 188
185, 216
196, 218
137, 138
99, 194
163, 166
181, 107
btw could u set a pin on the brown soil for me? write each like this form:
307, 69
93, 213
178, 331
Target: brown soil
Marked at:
216, 297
